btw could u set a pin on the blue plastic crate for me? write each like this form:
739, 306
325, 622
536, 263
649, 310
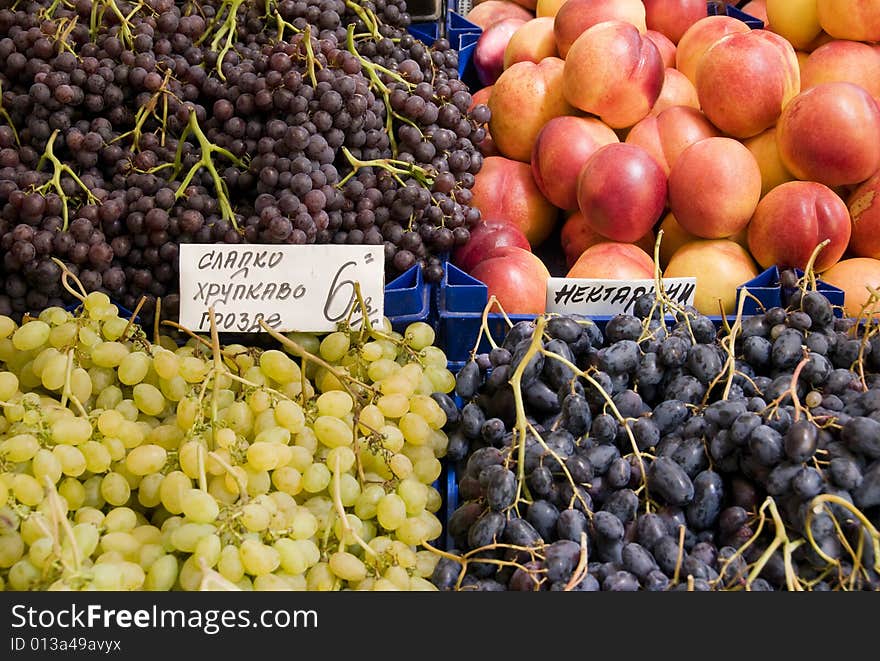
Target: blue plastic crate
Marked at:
408, 299
766, 287
727, 9
462, 36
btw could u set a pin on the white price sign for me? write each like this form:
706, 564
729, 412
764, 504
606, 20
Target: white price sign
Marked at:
304, 288
595, 297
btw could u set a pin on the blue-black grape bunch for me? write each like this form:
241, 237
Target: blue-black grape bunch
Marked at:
129, 127
664, 456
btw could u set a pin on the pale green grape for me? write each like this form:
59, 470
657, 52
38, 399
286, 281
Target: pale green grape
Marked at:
113, 328
341, 459
45, 465
401, 466
316, 478
115, 489
332, 432
123, 543
258, 558
73, 491
419, 335
290, 415
31, 335
320, 578
166, 363
97, 456
278, 366
71, 431
162, 574
8, 386
199, 506
414, 495
71, 459
27, 490
148, 399
394, 405
334, 346
120, 519
186, 536
12, 549
133, 368
109, 354
21, 447
336, 403
146, 459
230, 565
347, 566
391, 511
193, 369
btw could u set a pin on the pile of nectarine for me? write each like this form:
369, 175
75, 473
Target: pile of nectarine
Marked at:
618, 118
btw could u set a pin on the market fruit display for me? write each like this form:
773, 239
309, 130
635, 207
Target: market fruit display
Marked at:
128, 128
765, 133
661, 453
128, 462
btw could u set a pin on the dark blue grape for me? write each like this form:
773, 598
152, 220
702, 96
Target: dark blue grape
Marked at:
673, 351
604, 428
445, 574
483, 458
743, 426
623, 327
623, 504
863, 435
703, 510
619, 358
691, 456
533, 368
571, 524
522, 330
560, 559
540, 481
486, 530
765, 445
656, 581
779, 479
563, 328
807, 483
638, 561
704, 363
669, 414
801, 440
576, 415
541, 399
472, 419
667, 553
757, 351
492, 431
555, 372
468, 380
600, 457
618, 474
453, 415
580, 469
867, 494
685, 388
669, 481
845, 472
543, 516
650, 528
724, 412
501, 490
621, 581
520, 532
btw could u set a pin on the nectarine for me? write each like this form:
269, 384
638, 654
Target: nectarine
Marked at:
831, 134
561, 149
613, 261
613, 71
516, 277
621, 191
714, 187
854, 276
794, 218
504, 190
720, 266
864, 209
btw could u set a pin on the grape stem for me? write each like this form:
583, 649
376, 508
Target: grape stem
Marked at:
367, 16
208, 149
149, 110
48, 13
340, 511
60, 168
100, 7
239, 480
580, 572
63, 32
394, 166
226, 33
872, 531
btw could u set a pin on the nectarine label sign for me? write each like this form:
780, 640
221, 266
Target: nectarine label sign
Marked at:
288, 287
589, 296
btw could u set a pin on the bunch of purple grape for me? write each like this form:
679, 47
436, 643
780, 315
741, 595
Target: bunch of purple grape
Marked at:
128, 127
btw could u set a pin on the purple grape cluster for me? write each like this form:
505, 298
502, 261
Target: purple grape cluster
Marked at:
281, 122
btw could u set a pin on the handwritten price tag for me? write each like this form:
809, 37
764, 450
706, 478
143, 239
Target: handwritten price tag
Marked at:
609, 297
303, 288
